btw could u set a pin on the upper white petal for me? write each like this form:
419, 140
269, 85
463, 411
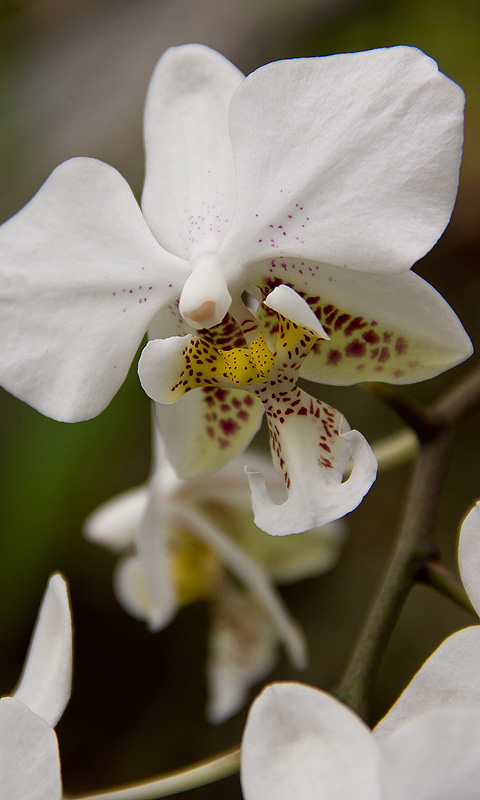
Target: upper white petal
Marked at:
302, 743
189, 190
469, 556
357, 156
81, 276
45, 683
29, 759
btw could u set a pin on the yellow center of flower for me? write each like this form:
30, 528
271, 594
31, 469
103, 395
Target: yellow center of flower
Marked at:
195, 569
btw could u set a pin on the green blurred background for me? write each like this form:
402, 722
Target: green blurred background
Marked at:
73, 75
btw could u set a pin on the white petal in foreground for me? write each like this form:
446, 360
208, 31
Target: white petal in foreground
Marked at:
434, 757
448, 678
302, 743
469, 556
29, 759
45, 683
357, 155
82, 276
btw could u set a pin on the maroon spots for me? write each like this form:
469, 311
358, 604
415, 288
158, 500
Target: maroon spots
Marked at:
384, 355
302, 412
387, 337
356, 324
221, 394
248, 400
355, 349
243, 415
371, 337
341, 320
401, 346
399, 373
334, 356
325, 447
228, 426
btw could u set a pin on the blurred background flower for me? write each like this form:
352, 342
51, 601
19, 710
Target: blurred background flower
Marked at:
73, 76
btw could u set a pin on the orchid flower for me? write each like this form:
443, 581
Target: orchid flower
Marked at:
299, 739
196, 540
324, 178
29, 758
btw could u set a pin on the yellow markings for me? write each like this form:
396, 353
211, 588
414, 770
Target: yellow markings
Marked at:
248, 366
297, 340
194, 568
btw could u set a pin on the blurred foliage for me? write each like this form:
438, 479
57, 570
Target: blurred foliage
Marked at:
130, 715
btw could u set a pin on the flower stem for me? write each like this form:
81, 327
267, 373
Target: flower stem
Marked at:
415, 551
201, 774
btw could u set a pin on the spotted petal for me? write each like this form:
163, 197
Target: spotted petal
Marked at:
82, 276
357, 155
311, 444
189, 190
394, 328
206, 427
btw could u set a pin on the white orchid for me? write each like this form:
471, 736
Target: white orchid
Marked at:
196, 540
29, 759
301, 740
322, 179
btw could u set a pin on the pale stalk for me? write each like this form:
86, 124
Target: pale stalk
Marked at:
201, 774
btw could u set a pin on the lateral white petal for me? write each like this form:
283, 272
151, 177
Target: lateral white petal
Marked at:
357, 155
81, 277
300, 742
29, 759
434, 756
46, 680
469, 556
113, 524
189, 189
449, 677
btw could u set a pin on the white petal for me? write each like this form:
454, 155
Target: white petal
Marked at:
357, 155
246, 570
469, 556
46, 680
29, 759
435, 756
242, 649
189, 188
151, 548
313, 474
114, 523
81, 277
287, 302
129, 586
302, 743
449, 677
